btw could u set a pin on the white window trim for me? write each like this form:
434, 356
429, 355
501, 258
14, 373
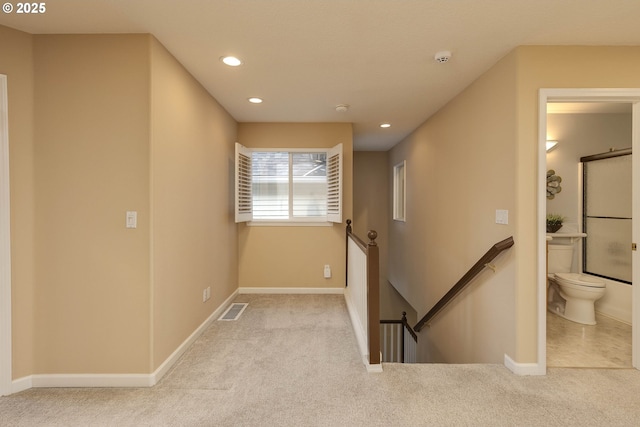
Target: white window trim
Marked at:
246, 215
400, 212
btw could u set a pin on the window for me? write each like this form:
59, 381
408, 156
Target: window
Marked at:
288, 186
399, 191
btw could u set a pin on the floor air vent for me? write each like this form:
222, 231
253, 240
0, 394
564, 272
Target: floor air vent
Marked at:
234, 311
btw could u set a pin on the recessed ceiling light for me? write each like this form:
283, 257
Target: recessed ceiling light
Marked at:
231, 61
255, 100
385, 125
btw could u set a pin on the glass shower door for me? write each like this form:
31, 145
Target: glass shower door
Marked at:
607, 215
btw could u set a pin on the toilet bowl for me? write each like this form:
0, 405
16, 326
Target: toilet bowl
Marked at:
571, 295
580, 293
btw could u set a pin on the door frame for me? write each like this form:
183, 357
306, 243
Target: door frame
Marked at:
628, 95
5, 245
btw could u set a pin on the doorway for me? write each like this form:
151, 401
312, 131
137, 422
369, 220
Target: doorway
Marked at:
592, 157
625, 96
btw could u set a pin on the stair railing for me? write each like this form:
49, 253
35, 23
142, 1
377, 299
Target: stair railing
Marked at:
398, 341
482, 263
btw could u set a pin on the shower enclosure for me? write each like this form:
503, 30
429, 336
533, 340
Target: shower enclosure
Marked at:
607, 221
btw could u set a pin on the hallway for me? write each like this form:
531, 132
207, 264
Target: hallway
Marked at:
292, 360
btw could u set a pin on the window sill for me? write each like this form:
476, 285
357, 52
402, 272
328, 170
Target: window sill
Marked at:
289, 224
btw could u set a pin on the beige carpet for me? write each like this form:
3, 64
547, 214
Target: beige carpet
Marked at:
293, 361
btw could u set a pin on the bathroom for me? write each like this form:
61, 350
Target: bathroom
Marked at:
584, 130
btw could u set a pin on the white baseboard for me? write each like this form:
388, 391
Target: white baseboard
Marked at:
358, 329
169, 362
523, 368
361, 339
21, 384
617, 314
373, 369
119, 380
91, 380
311, 291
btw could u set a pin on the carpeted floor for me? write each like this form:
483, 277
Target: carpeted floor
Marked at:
292, 360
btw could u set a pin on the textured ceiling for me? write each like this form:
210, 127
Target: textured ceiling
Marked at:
304, 57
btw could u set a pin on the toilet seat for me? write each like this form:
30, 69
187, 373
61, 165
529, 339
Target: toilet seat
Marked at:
578, 279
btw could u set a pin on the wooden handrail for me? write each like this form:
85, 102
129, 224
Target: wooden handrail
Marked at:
358, 241
465, 280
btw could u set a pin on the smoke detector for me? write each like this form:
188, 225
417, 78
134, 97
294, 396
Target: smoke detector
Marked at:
442, 57
342, 108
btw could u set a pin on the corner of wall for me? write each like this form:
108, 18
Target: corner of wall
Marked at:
194, 236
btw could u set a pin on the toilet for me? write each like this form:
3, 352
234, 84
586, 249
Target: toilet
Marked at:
571, 295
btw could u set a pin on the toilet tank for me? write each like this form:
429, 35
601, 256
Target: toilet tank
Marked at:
560, 258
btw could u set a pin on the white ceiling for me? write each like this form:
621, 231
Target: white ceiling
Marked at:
304, 57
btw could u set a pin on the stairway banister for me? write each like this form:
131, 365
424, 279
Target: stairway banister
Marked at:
405, 322
493, 252
373, 297
371, 288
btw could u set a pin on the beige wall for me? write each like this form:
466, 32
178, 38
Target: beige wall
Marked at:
460, 169
478, 154
92, 303
194, 242
16, 62
551, 67
371, 204
295, 256
99, 125
372, 211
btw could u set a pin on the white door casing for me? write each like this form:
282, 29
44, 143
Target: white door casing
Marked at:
5, 246
631, 96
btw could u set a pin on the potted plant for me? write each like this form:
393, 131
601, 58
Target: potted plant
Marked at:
554, 222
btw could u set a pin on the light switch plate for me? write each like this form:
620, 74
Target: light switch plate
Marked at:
132, 219
502, 216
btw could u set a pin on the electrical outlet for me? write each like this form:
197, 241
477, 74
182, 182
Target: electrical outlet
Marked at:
204, 295
327, 271
208, 292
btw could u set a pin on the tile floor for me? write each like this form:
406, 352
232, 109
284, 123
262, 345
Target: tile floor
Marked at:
605, 345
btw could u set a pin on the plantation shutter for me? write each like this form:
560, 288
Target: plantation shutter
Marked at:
244, 202
334, 184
